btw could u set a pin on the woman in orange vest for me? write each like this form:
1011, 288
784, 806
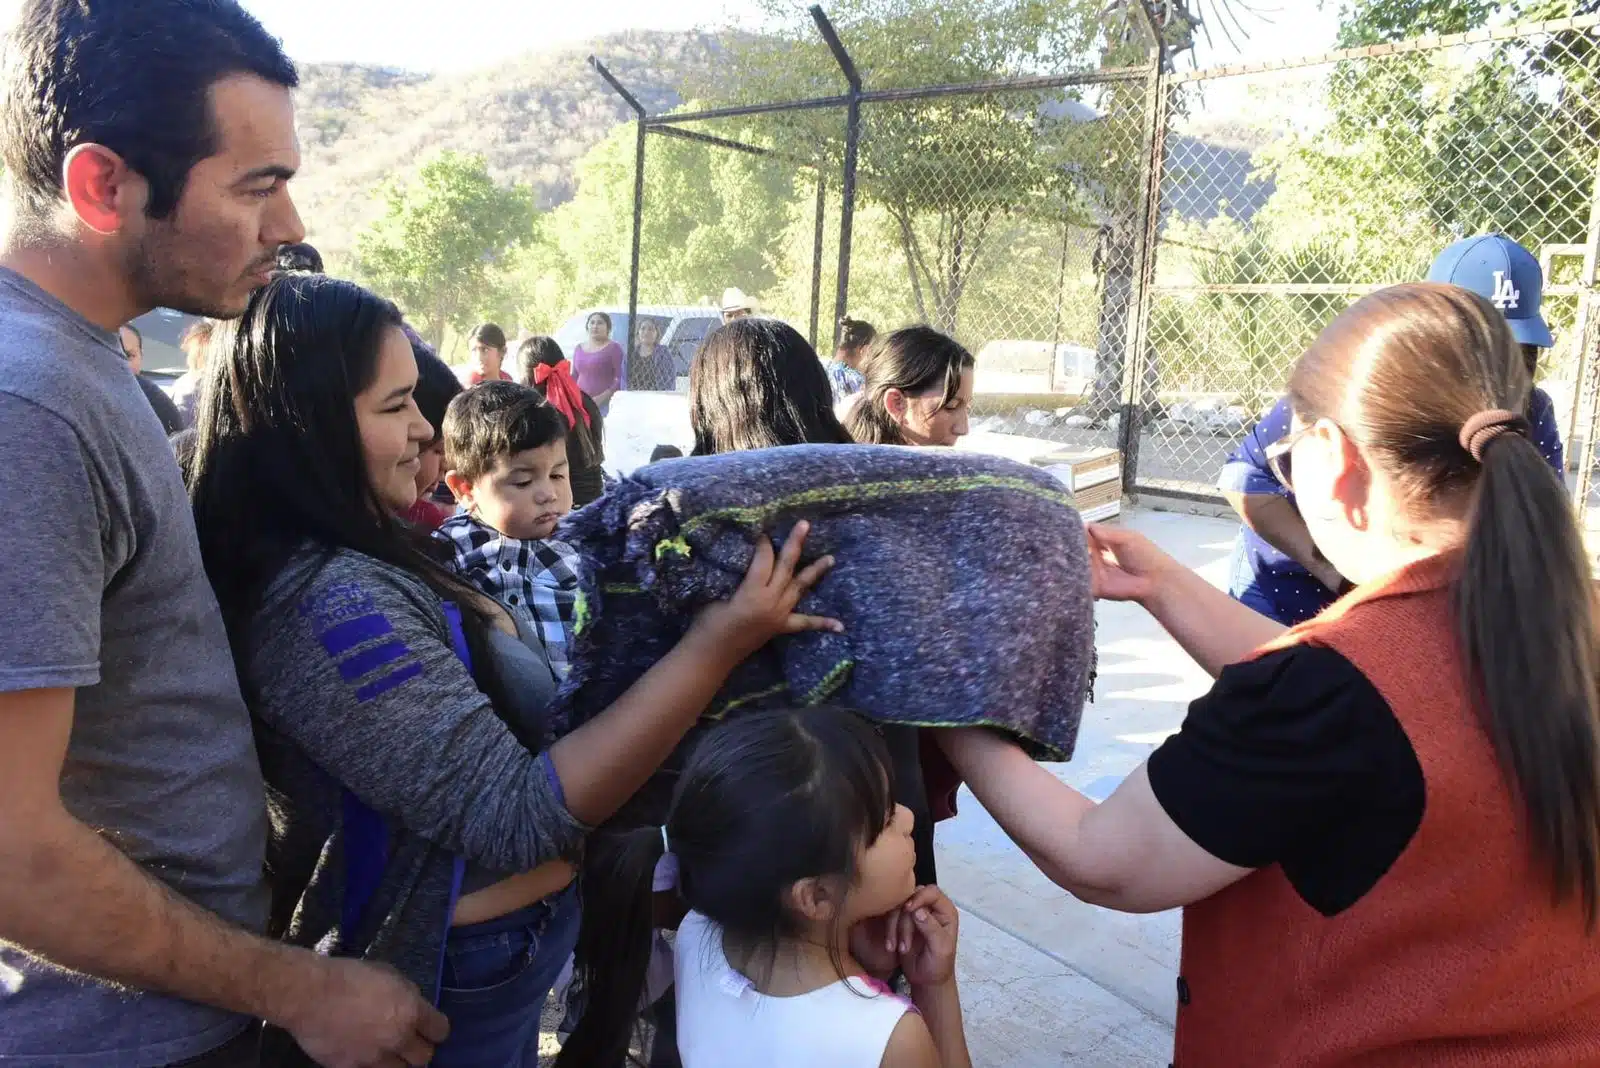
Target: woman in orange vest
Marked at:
1382, 823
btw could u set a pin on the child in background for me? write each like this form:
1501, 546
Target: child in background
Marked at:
665, 452
844, 370
436, 388
506, 450
782, 956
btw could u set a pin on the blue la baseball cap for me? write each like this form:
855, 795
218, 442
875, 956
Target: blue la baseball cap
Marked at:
1503, 273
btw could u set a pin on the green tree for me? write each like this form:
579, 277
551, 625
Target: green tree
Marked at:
713, 218
443, 231
1422, 146
950, 173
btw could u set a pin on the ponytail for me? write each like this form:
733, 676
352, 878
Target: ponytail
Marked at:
612, 959
1525, 614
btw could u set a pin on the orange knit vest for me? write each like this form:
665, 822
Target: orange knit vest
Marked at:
1457, 956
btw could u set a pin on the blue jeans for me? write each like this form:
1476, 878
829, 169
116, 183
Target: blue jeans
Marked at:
497, 976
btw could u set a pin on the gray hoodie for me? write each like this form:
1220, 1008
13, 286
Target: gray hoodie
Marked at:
359, 698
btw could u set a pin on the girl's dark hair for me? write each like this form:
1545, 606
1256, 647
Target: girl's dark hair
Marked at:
757, 384
437, 386
918, 361
1403, 370
665, 452
855, 334
278, 465
547, 351
763, 802
491, 335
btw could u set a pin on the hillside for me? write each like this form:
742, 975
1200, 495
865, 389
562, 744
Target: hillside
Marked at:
531, 118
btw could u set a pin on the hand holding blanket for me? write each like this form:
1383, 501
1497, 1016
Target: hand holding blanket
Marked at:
962, 582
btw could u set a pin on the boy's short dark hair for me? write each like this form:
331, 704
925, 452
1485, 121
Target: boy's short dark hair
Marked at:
494, 420
665, 452
135, 78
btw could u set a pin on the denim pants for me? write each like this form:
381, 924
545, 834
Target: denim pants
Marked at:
497, 975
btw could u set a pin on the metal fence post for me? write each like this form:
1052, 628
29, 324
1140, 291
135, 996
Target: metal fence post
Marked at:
638, 205
1586, 397
1151, 169
816, 256
852, 145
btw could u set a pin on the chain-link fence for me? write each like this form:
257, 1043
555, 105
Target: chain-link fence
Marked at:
1289, 190
1136, 255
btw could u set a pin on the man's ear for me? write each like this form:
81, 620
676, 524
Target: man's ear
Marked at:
102, 189
460, 487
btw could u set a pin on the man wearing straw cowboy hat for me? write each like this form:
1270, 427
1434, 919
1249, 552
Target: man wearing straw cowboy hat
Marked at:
1276, 567
735, 305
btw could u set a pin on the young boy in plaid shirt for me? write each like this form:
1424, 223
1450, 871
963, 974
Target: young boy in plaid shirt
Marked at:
505, 450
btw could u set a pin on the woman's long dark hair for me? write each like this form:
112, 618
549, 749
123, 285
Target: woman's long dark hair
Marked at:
919, 362
757, 384
764, 801
546, 351
1403, 370
278, 466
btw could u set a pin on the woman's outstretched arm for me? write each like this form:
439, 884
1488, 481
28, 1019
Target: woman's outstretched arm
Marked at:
1125, 854
1211, 626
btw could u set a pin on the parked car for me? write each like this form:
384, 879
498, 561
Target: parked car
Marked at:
683, 328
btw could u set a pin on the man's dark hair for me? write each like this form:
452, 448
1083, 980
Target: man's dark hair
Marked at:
299, 257
495, 420
134, 77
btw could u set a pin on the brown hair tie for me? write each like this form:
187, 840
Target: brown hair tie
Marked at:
1486, 426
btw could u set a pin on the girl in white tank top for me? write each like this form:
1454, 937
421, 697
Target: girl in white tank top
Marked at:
796, 867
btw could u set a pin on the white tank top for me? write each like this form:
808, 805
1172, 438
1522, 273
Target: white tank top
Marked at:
725, 1022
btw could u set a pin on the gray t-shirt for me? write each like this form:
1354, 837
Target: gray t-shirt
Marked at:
102, 589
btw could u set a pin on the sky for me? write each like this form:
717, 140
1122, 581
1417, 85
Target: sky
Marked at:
456, 35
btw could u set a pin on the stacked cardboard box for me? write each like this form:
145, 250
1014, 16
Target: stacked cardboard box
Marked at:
1092, 476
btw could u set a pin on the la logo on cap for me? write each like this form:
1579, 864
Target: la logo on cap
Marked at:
1505, 295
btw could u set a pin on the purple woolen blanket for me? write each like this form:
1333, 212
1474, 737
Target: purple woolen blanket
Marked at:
962, 582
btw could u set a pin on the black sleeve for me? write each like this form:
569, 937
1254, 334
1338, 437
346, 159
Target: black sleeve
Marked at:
1295, 759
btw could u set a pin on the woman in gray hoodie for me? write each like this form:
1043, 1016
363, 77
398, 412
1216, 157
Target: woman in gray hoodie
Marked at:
425, 810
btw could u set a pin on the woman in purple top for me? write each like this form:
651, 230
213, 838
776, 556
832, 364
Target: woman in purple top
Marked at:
597, 362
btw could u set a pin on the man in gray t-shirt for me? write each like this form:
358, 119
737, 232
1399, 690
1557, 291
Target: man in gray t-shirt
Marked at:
132, 810
102, 592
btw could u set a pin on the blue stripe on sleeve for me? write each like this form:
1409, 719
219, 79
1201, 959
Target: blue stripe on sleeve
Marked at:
343, 637
364, 663
379, 687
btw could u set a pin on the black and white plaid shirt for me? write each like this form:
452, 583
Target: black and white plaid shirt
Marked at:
538, 579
